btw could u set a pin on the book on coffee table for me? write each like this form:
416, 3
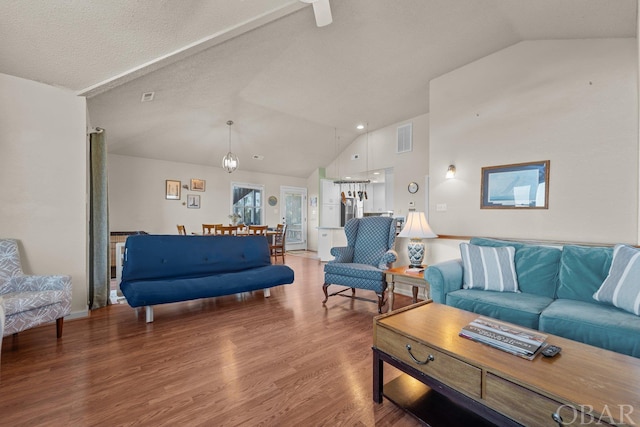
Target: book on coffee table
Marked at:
505, 336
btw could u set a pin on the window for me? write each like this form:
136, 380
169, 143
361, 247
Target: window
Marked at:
247, 203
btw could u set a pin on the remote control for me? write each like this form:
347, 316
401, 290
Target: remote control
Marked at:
551, 350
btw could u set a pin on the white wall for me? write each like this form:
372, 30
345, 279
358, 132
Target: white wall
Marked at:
137, 194
573, 102
43, 168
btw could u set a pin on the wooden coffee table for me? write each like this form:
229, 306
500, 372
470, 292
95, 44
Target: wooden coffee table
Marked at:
400, 274
449, 380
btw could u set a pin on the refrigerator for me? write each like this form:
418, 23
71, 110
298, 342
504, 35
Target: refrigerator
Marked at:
352, 207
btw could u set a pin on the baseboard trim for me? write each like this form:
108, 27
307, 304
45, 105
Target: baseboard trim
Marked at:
78, 314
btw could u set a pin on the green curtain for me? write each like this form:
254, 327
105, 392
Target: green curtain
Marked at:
99, 267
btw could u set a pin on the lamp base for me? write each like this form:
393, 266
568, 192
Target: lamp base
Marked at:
416, 266
416, 252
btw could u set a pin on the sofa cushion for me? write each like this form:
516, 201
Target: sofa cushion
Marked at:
158, 291
519, 308
18, 302
149, 257
582, 271
489, 268
363, 271
536, 265
621, 288
596, 324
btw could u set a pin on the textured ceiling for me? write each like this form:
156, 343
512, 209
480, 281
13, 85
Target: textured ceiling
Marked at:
288, 85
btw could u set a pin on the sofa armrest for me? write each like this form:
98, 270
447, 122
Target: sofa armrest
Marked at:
342, 253
387, 259
443, 278
32, 283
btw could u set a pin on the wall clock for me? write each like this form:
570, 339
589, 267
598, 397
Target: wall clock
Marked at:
273, 200
413, 187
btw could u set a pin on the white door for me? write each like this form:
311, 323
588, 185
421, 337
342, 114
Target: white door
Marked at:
293, 211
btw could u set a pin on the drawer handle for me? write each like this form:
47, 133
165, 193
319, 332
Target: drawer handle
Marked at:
557, 418
430, 358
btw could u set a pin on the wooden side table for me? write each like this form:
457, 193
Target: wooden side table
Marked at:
400, 274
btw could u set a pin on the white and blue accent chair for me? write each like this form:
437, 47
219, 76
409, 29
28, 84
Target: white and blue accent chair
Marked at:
361, 264
30, 300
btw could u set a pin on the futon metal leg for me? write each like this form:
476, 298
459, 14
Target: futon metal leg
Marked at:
149, 311
267, 293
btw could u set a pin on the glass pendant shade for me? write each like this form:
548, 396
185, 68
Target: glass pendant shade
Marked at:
230, 162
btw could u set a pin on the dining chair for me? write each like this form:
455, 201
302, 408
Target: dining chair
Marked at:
227, 229
182, 230
210, 228
258, 229
277, 247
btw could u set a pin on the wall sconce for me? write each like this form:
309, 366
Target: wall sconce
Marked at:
451, 172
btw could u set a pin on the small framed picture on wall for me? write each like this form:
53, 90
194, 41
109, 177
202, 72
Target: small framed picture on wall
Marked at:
193, 201
172, 189
197, 184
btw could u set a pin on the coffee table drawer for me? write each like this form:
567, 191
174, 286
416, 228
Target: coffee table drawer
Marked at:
446, 369
530, 408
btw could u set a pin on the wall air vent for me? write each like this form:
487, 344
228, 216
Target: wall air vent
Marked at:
147, 97
405, 138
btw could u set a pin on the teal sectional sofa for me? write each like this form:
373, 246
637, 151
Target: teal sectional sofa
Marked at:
556, 294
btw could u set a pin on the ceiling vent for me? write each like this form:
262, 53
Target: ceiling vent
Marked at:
147, 96
405, 139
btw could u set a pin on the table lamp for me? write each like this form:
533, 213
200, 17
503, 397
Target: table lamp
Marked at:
416, 228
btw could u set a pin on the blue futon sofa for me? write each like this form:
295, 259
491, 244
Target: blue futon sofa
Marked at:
556, 288
160, 269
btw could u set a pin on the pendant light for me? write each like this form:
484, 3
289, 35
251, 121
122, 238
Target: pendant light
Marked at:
230, 162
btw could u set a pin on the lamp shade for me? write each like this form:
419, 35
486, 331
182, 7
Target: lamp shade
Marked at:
417, 227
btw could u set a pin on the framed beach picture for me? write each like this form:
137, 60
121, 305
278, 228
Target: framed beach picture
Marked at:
172, 189
193, 201
197, 184
516, 186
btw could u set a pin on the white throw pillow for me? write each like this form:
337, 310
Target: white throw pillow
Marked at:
489, 268
621, 288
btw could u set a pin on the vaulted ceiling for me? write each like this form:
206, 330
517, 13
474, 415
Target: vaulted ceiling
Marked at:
288, 85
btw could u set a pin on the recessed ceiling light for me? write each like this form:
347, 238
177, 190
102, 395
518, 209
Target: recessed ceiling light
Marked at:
347, 177
360, 127
376, 173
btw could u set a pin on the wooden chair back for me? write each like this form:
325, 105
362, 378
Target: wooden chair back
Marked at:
278, 245
182, 230
210, 228
258, 229
230, 229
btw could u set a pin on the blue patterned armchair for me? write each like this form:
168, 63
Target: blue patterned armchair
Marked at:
30, 300
362, 262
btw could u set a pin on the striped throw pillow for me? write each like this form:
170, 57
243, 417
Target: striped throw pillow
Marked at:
621, 288
488, 268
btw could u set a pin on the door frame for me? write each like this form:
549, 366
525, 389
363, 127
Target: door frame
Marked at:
302, 191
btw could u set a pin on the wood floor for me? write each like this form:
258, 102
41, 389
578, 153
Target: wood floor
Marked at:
230, 361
